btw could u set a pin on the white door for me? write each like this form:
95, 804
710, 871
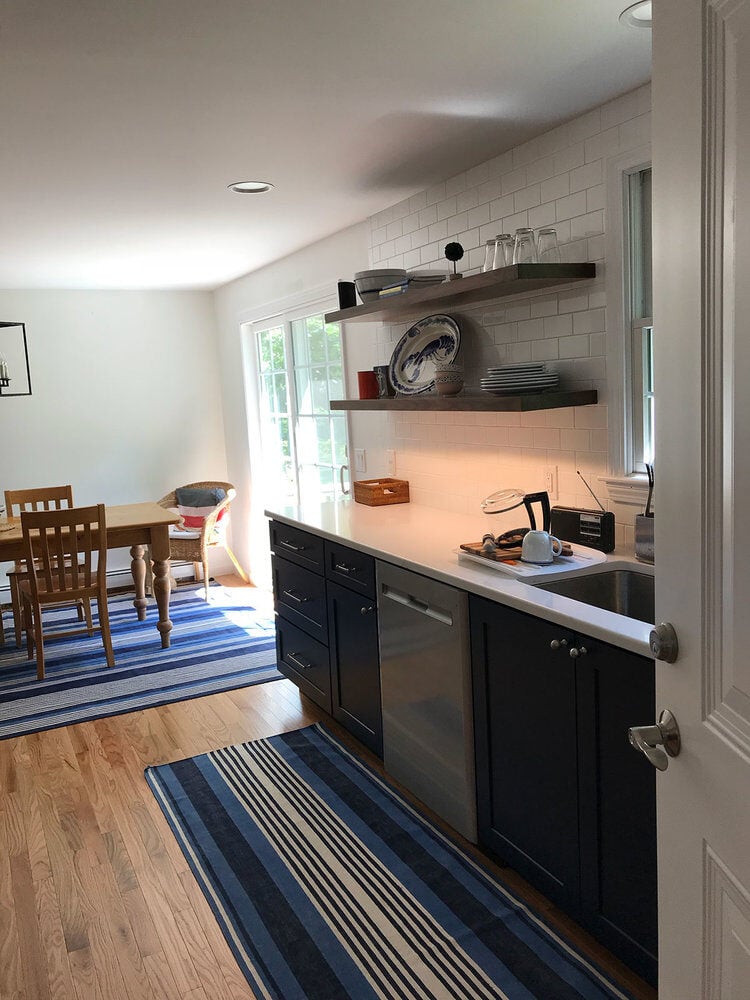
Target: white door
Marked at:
701, 175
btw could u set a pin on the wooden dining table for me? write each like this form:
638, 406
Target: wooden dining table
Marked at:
131, 525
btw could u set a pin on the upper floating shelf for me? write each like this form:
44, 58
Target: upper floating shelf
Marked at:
516, 279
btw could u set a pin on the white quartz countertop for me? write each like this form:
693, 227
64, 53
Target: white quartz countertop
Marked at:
425, 540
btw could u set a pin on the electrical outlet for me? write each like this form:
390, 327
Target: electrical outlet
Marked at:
390, 462
550, 481
360, 460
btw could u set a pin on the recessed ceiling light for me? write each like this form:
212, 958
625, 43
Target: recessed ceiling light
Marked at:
250, 187
637, 15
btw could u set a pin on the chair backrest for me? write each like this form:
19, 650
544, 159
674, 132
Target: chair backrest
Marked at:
42, 498
60, 546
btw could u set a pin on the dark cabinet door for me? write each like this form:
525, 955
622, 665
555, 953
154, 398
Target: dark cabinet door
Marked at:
616, 690
355, 665
526, 746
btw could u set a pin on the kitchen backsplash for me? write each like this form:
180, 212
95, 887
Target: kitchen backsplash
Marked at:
453, 460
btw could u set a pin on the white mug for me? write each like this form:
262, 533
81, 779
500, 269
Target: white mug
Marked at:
540, 547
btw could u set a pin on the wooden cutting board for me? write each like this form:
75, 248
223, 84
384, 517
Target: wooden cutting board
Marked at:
505, 555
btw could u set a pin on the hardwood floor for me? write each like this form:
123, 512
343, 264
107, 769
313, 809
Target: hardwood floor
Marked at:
96, 900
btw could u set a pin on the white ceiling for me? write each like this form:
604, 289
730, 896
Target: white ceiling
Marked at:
123, 121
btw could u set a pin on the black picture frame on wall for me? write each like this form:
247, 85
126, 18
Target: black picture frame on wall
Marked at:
14, 352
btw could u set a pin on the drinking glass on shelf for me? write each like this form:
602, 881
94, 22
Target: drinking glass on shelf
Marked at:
489, 255
503, 250
547, 249
524, 247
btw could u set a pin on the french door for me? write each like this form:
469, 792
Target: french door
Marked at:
305, 446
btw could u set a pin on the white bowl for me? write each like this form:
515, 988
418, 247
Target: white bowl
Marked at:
373, 281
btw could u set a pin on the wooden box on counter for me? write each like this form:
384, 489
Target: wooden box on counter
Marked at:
376, 492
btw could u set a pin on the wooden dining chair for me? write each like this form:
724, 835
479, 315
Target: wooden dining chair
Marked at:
16, 502
66, 556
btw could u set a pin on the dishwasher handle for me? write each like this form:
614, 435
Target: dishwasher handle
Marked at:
414, 604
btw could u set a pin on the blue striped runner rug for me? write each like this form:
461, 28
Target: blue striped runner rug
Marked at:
215, 646
329, 886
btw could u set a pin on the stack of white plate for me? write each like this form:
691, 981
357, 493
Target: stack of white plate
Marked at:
513, 380
421, 279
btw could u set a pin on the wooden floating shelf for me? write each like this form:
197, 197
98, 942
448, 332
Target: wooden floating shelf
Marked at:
516, 279
472, 401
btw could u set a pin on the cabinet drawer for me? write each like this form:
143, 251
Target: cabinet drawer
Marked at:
300, 597
351, 568
305, 661
297, 545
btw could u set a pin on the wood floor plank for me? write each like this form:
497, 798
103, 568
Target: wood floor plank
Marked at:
161, 978
36, 844
57, 962
12, 979
209, 970
84, 976
33, 957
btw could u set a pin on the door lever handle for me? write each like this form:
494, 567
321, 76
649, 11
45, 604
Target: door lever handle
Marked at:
659, 742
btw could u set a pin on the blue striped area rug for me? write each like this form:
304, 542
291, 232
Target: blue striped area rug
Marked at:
329, 886
215, 646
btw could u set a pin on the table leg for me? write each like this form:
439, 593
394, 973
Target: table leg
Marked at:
161, 566
138, 569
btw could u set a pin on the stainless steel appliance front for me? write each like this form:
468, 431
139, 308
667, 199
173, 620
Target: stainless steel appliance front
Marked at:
428, 732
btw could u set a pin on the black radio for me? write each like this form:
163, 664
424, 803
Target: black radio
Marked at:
595, 528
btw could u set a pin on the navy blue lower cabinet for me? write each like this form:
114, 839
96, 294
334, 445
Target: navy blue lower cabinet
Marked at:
562, 797
355, 665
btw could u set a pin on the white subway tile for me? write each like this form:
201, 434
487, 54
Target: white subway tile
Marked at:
411, 223
521, 437
620, 110
420, 238
574, 347
556, 187
636, 132
595, 249
573, 300
506, 333
513, 222
519, 353
418, 201
402, 244
591, 321
595, 197
378, 236
467, 199
436, 193
479, 215
527, 198
438, 231
598, 345
514, 181
602, 145
490, 190
540, 170
446, 208
546, 437
458, 224
585, 125
428, 215
572, 206
590, 224
499, 165
575, 440
544, 305
542, 215
477, 175
586, 176
544, 350
455, 184
569, 158
501, 207
531, 329
411, 259
558, 326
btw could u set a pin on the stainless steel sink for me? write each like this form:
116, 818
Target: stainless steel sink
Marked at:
624, 591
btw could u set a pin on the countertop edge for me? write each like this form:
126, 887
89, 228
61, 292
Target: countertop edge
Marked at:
404, 538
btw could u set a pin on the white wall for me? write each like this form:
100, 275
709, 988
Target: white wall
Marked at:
452, 461
313, 271
126, 399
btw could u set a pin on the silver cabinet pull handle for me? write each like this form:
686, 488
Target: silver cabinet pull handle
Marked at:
577, 651
295, 597
343, 568
367, 610
291, 545
557, 643
659, 742
294, 659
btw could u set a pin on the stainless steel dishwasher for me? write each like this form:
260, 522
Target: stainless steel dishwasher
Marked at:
425, 679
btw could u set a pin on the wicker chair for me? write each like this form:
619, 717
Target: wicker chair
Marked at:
193, 546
